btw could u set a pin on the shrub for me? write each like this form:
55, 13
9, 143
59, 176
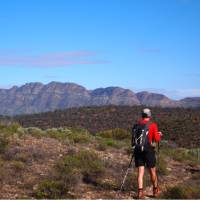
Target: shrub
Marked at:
117, 134
162, 165
68, 170
79, 137
18, 166
108, 184
101, 146
24, 154
11, 128
59, 134
189, 156
91, 166
109, 142
36, 132
3, 172
50, 190
66, 135
3, 143
112, 143
182, 192
130, 183
23, 157
84, 163
21, 131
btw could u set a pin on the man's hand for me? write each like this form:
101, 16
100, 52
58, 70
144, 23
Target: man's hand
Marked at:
160, 133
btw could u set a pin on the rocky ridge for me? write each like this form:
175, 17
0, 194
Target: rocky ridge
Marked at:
37, 97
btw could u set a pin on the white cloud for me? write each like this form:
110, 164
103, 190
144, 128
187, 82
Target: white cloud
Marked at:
54, 59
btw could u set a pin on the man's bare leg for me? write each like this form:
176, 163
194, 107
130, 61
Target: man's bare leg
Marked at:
153, 176
140, 181
154, 180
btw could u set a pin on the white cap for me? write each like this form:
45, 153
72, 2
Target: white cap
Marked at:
147, 111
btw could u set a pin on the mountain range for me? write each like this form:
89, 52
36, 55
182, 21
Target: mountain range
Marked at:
37, 97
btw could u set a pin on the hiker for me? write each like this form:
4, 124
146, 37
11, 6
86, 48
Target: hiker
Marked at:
144, 137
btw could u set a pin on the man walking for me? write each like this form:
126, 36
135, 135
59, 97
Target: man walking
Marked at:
144, 137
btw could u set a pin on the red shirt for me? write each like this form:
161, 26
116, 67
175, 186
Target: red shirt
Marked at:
153, 135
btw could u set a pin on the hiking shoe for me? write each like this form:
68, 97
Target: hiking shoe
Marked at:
140, 194
156, 191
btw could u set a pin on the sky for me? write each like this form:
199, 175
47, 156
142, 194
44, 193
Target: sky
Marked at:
140, 45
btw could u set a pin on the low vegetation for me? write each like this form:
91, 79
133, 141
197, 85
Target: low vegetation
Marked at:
182, 192
70, 163
70, 171
178, 124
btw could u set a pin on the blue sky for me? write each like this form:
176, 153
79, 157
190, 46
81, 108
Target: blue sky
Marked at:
137, 44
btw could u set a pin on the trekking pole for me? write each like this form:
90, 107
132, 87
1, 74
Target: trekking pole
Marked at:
125, 176
158, 161
158, 153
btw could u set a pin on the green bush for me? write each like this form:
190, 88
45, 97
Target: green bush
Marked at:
182, 192
189, 156
109, 142
3, 172
84, 163
162, 165
108, 184
101, 146
34, 131
18, 166
22, 157
21, 131
69, 171
11, 128
3, 143
113, 143
117, 134
56, 133
76, 137
72, 135
50, 190
131, 182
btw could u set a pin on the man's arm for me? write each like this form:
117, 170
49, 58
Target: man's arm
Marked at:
154, 135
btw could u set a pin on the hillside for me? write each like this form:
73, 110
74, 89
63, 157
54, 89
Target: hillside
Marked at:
37, 97
72, 163
177, 124
159, 100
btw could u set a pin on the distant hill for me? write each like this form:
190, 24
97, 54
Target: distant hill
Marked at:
154, 99
37, 97
191, 102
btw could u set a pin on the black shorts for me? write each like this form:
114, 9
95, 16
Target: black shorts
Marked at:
146, 158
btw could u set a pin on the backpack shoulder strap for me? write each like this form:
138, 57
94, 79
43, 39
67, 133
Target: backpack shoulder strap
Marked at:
148, 123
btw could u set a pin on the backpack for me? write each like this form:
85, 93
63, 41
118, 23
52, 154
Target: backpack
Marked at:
140, 140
